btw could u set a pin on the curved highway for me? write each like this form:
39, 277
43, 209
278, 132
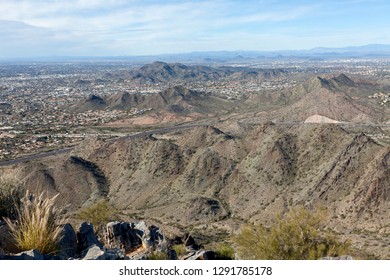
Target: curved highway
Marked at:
69, 149
145, 133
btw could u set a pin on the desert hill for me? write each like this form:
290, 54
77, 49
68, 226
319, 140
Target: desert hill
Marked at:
257, 74
175, 99
337, 97
220, 177
161, 72
125, 101
93, 102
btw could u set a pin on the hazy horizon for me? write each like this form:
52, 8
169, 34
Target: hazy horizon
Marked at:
41, 28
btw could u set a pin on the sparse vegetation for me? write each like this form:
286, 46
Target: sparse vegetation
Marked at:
297, 235
224, 251
158, 255
180, 249
99, 214
38, 224
10, 195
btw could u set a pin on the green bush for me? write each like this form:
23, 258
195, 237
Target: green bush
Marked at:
224, 251
158, 255
180, 249
299, 235
38, 224
99, 214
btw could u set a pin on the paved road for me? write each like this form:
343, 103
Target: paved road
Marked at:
347, 124
69, 149
145, 133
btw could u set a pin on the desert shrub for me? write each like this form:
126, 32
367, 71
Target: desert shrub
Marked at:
224, 251
38, 224
158, 255
180, 249
10, 195
99, 214
298, 235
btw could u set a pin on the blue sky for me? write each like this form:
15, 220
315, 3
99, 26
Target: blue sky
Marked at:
135, 27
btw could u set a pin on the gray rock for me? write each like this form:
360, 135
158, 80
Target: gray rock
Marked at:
115, 254
187, 240
151, 236
86, 237
29, 255
123, 235
142, 230
199, 255
94, 253
346, 257
132, 236
172, 255
68, 242
7, 243
138, 256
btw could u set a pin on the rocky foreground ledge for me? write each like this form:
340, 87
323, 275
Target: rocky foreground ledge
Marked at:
119, 241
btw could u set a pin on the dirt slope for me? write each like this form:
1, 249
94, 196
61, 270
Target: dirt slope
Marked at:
249, 176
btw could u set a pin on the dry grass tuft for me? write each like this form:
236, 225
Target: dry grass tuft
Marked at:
37, 226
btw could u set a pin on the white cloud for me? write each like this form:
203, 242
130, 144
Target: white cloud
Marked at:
281, 15
121, 27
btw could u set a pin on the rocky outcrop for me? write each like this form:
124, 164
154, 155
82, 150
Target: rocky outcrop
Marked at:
200, 255
119, 241
68, 242
6, 239
27, 255
94, 253
151, 236
86, 238
123, 235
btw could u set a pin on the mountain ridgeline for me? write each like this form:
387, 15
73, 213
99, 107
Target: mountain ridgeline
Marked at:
161, 72
176, 99
337, 97
204, 175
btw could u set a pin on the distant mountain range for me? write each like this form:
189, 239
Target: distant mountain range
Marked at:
371, 50
335, 96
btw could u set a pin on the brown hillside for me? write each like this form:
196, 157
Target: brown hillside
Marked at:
93, 102
177, 99
335, 97
250, 177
